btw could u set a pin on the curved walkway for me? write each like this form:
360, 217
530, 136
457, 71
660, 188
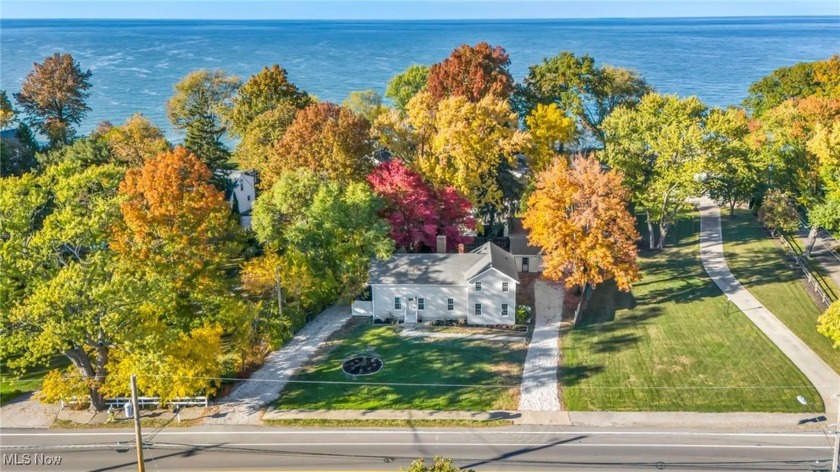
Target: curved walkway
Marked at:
245, 403
826, 381
539, 379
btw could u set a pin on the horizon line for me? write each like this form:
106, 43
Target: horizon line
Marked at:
712, 17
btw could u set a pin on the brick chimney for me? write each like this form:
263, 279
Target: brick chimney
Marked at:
441, 244
461, 248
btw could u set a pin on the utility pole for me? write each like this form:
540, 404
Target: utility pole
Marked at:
835, 463
138, 438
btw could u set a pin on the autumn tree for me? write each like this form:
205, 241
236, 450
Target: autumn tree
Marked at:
366, 103
175, 224
135, 141
800, 80
783, 135
325, 138
405, 85
202, 102
263, 92
581, 89
778, 212
549, 129
256, 147
829, 323
417, 212
54, 95
658, 147
578, 215
733, 169
472, 72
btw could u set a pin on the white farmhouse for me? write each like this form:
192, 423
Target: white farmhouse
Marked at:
243, 194
479, 287
528, 258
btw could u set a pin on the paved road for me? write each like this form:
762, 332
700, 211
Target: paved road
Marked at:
824, 378
515, 448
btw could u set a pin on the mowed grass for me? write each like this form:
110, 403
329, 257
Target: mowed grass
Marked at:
409, 360
675, 344
12, 386
760, 265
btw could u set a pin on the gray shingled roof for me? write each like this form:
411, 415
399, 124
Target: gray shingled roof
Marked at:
519, 246
441, 269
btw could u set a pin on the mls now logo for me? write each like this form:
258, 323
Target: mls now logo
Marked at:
31, 459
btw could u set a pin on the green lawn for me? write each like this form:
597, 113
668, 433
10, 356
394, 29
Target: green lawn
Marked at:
675, 344
410, 360
760, 265
12, 386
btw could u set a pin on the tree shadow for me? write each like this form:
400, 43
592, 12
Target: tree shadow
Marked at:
571, 376
615, 343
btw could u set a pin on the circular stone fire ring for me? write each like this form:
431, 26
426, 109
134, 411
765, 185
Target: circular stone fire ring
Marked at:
362, 365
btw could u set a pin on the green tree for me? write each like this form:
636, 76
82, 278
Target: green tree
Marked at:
733, 168
17, 154
264, 92
439, 464
367, 103
333, 227
581, 89
256, 147
658, 146
202, 102
54, 97
797, 81
7, 111
405, 85
135, 141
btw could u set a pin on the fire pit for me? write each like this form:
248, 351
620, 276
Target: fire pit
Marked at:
362, 365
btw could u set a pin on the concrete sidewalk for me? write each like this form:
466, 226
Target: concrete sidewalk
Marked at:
826, 381
539, 379
245, 403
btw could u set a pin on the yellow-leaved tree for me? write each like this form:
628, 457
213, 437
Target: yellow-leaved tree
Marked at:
550, 129
578, 215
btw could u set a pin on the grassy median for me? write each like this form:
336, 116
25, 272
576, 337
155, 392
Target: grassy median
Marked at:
674, 343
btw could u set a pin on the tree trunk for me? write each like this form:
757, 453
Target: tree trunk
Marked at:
663, 235
80, 359
812, 240
651, 237
732, 208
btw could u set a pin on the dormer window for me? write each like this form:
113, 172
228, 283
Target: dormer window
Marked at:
478, 286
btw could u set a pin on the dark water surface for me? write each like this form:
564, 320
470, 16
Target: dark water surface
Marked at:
136, 63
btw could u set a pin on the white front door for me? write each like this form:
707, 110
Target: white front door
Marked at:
411, 310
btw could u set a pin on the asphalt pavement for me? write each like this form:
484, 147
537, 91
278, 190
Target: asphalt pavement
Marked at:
496, 449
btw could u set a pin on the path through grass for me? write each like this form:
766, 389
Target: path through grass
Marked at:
675, 344
760, 265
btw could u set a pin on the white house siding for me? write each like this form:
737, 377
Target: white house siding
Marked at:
534, 263
491, 298
435, 298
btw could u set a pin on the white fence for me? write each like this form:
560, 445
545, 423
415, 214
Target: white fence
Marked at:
119, 402
826, 298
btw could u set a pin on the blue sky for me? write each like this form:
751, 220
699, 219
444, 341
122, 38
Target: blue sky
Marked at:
409, 9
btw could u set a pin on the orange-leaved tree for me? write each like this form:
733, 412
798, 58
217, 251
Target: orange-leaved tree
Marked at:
472, 72
578, 215
174, 221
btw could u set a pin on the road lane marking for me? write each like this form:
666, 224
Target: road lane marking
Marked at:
424, 432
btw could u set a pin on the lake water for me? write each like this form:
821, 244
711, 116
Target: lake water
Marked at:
136, 63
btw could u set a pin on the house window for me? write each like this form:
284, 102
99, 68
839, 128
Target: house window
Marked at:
397, 303
241, 185
505, 286
478, 309
504, 309
421, 303
525, 264
249, 198
450, 304
478, 286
